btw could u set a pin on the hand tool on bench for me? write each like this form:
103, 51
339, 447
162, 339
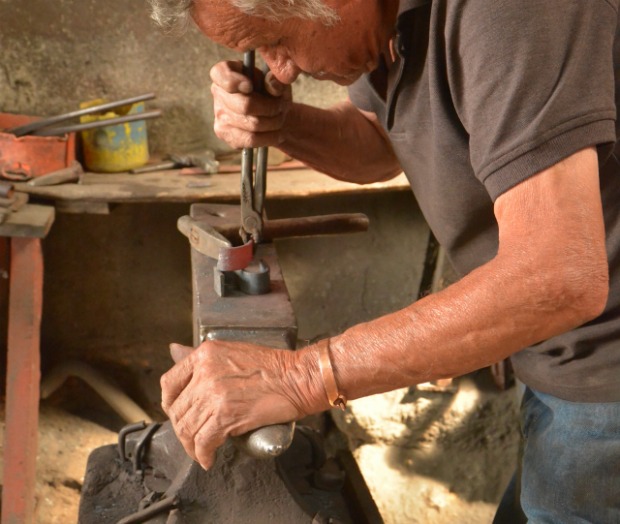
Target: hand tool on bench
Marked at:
204, 160
68, 174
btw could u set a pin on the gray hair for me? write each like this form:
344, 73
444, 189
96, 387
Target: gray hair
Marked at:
173, 16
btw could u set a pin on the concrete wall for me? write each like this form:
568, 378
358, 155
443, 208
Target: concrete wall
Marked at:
57, 53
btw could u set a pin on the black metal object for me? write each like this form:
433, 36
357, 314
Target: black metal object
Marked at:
303, 485
148, 477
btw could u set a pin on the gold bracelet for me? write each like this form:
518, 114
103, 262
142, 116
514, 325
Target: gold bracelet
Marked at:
335, 398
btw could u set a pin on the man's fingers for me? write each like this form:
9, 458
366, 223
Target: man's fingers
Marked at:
240, 139
189, 424
249, 123
174, 381
242, 104
179, 352
229, 76
207, 440
184, 401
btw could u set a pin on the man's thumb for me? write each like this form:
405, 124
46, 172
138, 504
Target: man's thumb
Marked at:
179, 352
273, 86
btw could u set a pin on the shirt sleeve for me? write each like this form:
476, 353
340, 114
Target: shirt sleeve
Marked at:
532, 82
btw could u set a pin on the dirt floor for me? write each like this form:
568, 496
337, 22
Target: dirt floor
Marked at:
428, 457
436, 457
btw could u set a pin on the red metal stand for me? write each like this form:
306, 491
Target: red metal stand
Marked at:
23, 377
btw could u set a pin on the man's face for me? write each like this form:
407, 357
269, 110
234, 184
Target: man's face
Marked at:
341, 53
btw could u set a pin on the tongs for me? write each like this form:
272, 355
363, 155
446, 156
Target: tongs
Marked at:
253, 183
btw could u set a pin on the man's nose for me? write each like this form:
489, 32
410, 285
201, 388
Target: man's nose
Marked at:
282, 67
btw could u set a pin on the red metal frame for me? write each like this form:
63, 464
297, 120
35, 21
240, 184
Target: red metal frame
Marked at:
23, 377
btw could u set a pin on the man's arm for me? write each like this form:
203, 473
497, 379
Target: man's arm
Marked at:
549, 276
341, 141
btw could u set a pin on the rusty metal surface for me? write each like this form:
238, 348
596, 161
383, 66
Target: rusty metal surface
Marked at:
23, 375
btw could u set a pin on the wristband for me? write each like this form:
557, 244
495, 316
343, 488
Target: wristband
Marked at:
335, 398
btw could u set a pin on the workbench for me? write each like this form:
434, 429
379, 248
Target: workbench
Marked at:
21, 260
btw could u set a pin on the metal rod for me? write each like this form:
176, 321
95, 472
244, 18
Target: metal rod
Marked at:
46, 122
247, 160
57, 131
260, 179
319, 225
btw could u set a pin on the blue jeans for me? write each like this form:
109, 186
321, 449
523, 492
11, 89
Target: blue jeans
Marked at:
570, 464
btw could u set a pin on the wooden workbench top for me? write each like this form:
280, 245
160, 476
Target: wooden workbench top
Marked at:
172, 186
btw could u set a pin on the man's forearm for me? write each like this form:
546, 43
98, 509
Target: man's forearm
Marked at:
480, 320
340, 142
550, 275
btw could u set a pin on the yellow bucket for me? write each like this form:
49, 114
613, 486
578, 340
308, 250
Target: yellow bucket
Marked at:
114, 148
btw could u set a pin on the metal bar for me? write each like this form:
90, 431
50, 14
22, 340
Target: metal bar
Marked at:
315, 226
46, 122
58, 131
23, 375
224, 218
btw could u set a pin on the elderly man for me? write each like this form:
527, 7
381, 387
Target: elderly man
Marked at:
501, 113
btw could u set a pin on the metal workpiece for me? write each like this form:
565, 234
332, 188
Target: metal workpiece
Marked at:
208, 241
224, 218
212, 229
204, 160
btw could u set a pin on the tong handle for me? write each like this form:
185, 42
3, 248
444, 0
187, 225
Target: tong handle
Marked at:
253, 184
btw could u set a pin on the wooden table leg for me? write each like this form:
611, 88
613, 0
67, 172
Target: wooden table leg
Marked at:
23, 377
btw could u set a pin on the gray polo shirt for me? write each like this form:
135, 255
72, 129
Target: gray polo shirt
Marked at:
484, 94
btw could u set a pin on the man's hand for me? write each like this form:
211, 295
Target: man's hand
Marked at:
224, 389
243, 117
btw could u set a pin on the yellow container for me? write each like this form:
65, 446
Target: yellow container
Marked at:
115, 148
